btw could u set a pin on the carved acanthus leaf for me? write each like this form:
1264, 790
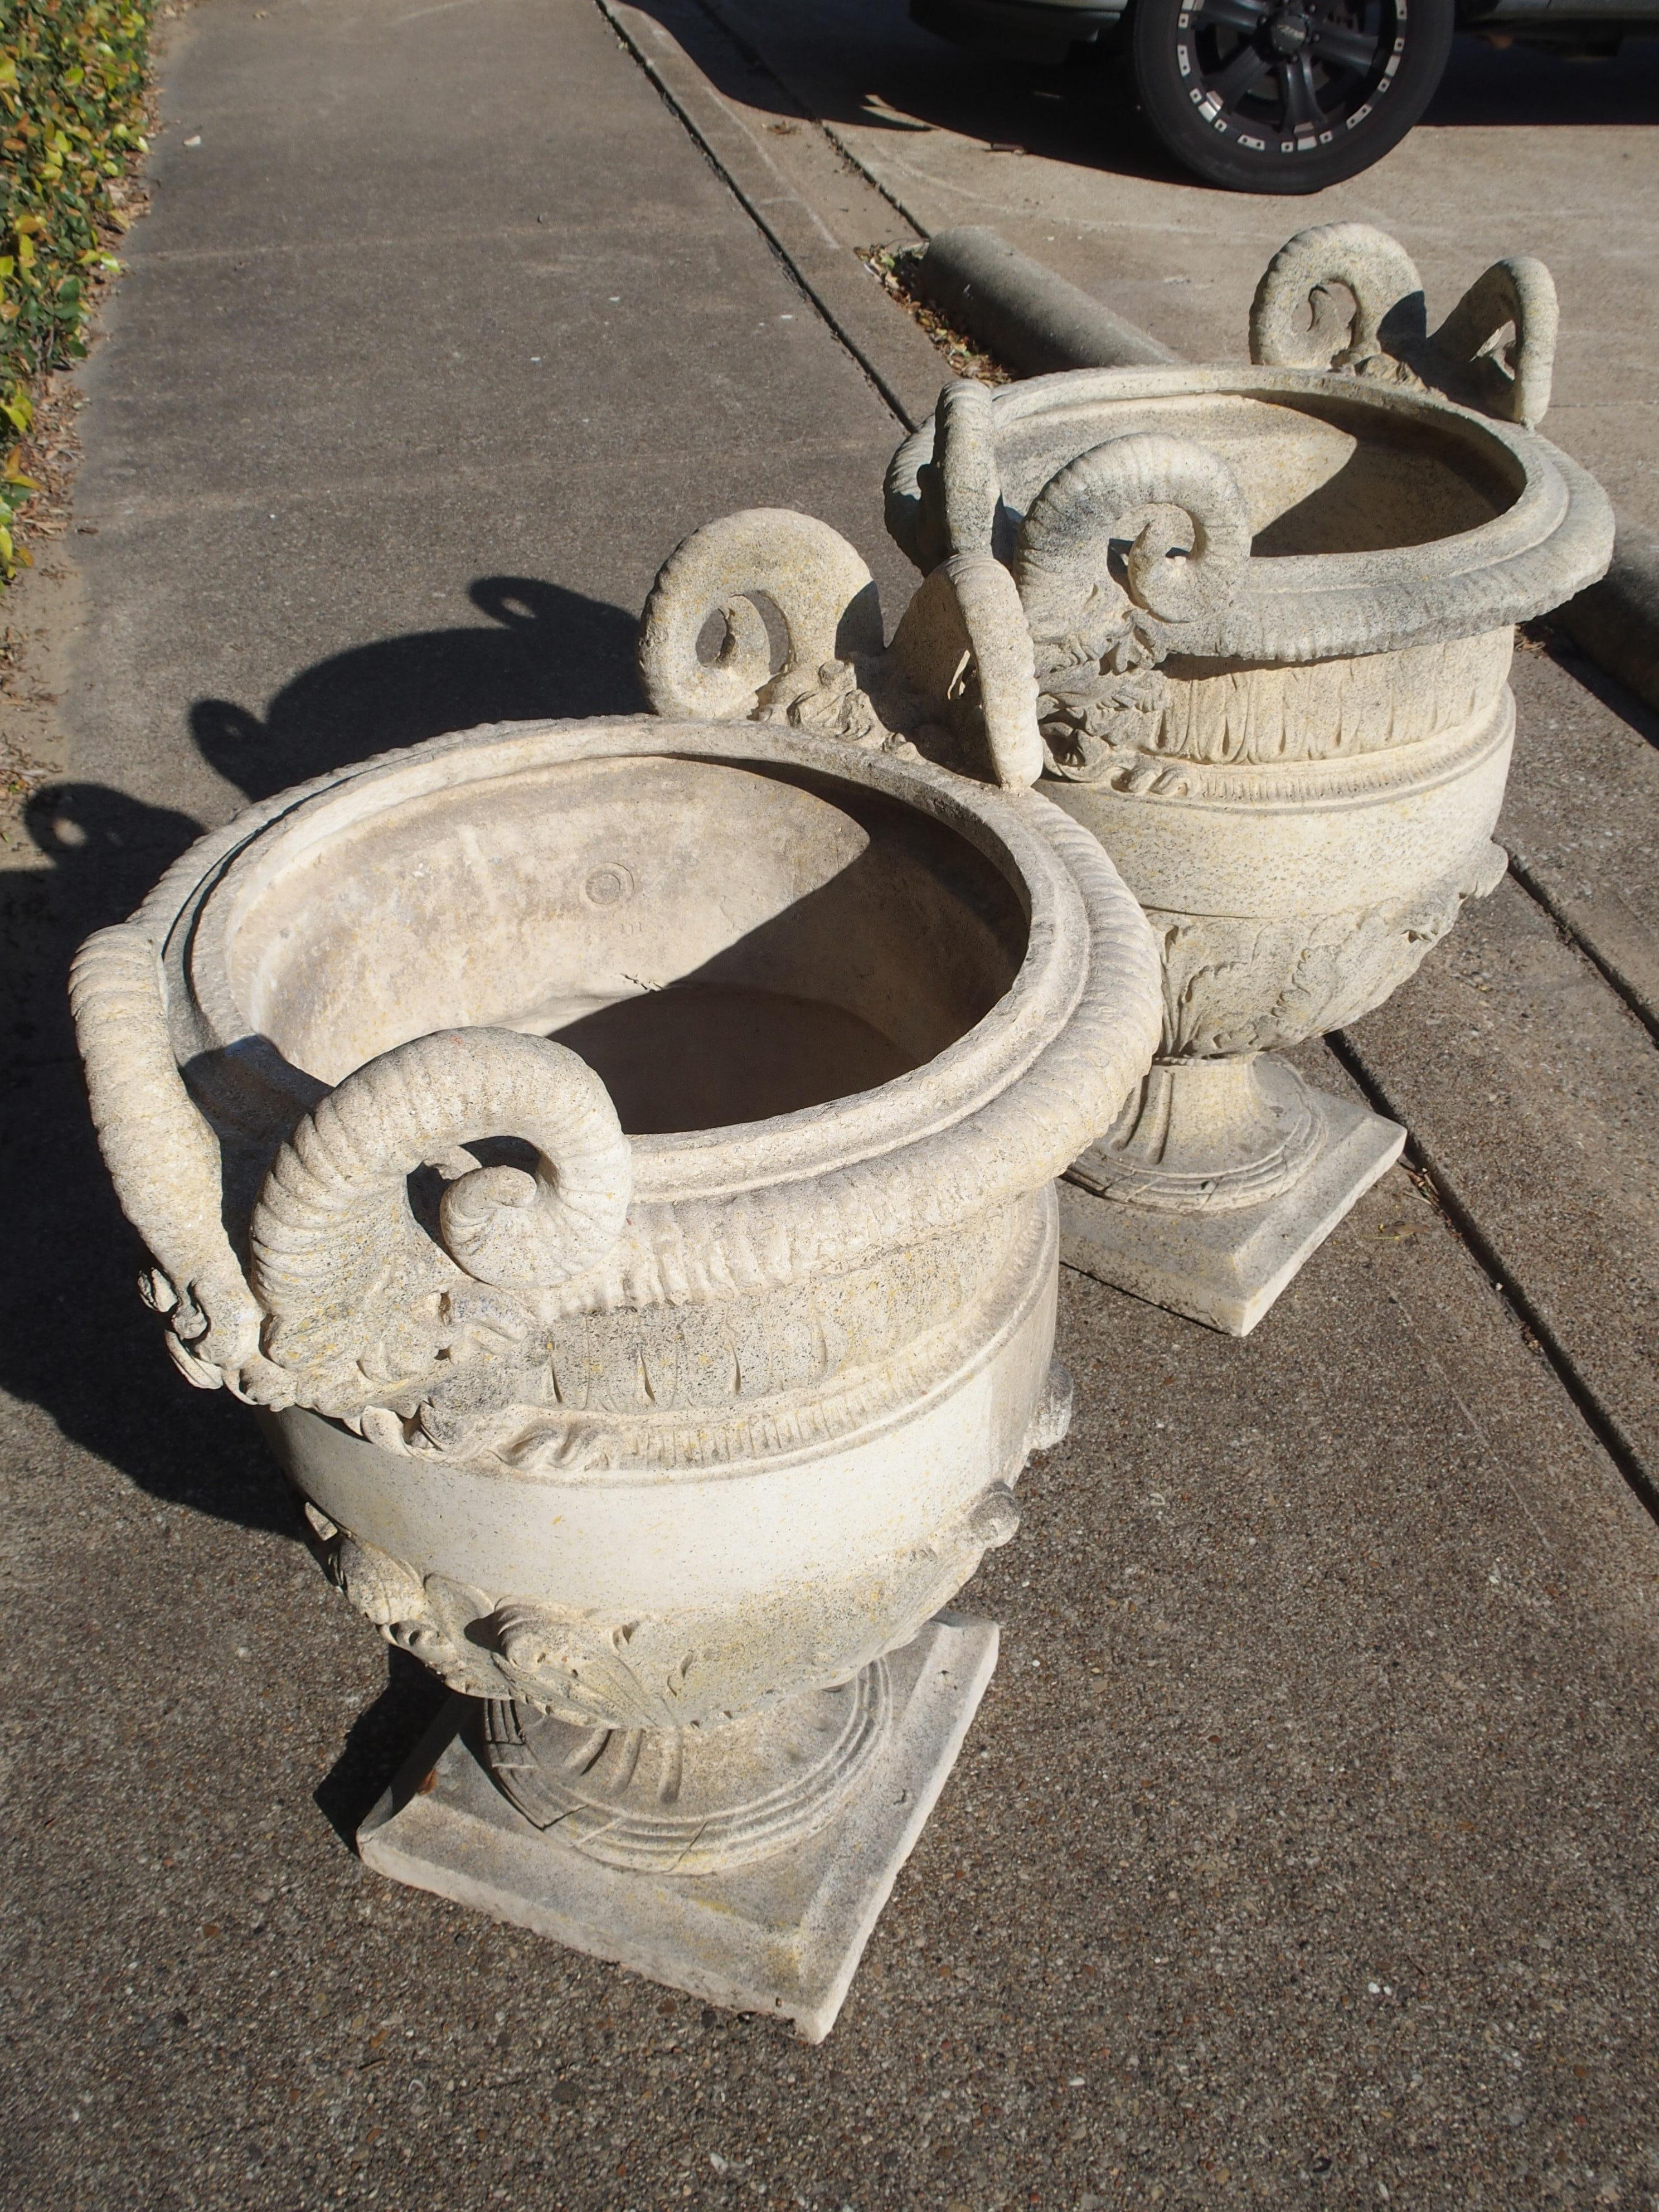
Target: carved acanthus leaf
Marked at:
831, 703
1242, 986
657, 1670
1101, 703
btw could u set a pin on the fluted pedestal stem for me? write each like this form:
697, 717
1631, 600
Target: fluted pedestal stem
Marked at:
1216, 1182
745, 1863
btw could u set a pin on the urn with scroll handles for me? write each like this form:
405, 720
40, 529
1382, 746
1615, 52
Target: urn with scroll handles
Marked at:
615, 1159
1272, 610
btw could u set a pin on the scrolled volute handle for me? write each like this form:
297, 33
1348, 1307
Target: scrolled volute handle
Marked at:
1388, 322
164, 1161
1179, 572
738, 569
964, 651
1384, 336
334, 1219
1513, 383
959, 490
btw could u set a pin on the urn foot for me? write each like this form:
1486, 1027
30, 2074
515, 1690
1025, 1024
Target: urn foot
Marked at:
691, 1800
1208, 1136
829, 1804
1225, 1262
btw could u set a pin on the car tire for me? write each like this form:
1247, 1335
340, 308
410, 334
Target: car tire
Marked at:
1285, 95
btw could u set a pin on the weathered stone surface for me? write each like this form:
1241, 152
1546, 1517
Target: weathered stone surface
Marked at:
1288, 696
1226, 1266
715, 1385
780, 1933
1270, 615
1133, 1947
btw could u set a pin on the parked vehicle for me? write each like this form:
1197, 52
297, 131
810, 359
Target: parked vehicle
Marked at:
1281, 95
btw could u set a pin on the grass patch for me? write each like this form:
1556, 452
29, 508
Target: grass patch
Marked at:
73, 79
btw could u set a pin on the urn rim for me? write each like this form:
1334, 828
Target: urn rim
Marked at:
193, 913
1553, 537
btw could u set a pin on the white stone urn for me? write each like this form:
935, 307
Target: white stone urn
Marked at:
1273, 610
618, 1159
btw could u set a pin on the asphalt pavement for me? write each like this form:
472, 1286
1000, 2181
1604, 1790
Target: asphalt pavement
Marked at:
1304, 1850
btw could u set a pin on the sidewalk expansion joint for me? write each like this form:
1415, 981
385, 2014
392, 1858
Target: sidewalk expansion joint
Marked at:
762, 67
753, 206
1603, 1423
1621, 986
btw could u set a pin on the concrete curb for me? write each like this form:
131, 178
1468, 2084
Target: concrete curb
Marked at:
1036, 321
780, 182
1024, 313
1616, 622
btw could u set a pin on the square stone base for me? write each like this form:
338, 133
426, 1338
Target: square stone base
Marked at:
1226, 1269
784, 1936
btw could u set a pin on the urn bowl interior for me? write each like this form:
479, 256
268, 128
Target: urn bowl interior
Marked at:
1322, 472
722, 942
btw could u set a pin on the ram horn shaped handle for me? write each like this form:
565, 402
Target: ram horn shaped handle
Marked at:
964, 649
1062, 563
766, 558
333, 1231
164, 1161
1514, 386
961, 487
1388, 319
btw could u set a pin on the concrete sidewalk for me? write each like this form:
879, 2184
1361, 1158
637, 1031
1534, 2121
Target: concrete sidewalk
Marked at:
1523, 1057
1304, 1848
1522, 152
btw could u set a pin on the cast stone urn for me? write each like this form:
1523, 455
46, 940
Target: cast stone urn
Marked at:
1273, 612
617, 1160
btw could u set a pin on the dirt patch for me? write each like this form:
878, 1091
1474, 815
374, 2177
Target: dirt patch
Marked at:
895, 268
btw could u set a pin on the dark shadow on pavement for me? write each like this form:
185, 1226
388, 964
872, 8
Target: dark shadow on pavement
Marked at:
1528, 88
552, 651
73, 1338
864, 62
379, 1742
1617, 697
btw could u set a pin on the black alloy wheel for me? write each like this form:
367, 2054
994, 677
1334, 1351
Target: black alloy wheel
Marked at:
1286, 95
